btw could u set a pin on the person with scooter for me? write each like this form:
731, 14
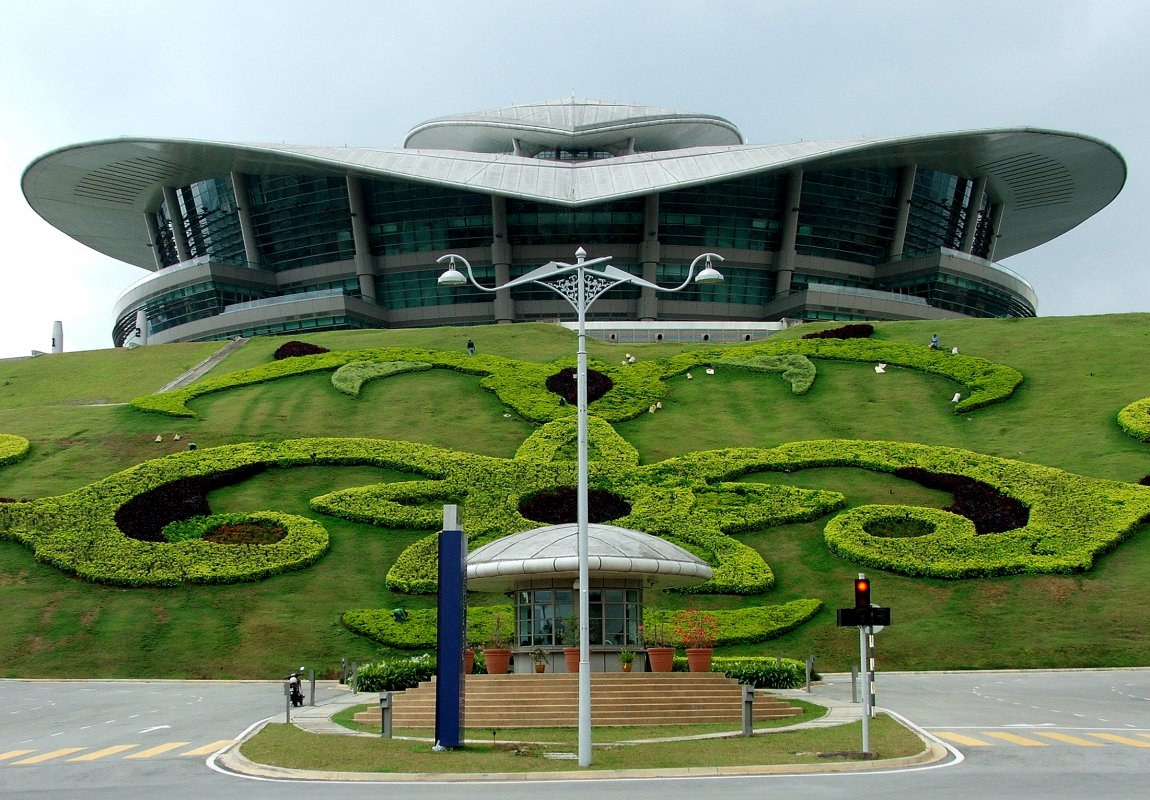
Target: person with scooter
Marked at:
295, 688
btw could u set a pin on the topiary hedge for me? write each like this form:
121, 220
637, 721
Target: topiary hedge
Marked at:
350, 378
12, 448
522, 385
1134, 419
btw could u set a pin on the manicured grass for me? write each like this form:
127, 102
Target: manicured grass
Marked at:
287, 746
1079, 373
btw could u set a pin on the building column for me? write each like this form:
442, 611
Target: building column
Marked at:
997, 212
501, 260
364, 263
902, 208
152, 224
649, 252
970, 228
176, 217
786, 265
243, 209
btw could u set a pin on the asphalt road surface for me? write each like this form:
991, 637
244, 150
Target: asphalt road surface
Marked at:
1050, 735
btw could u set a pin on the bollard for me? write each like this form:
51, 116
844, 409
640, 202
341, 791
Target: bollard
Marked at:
748, 709
311, 694
343, 671
854, 683
287, 699
810, 670
385, 715
354, 677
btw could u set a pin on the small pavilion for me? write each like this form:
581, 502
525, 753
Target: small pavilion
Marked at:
539, 570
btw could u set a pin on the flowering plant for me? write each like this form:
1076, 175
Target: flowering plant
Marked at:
696, 628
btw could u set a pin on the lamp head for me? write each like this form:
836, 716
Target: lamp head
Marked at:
708, 274
452, 277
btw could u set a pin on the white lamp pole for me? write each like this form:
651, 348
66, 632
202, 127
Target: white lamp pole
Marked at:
580, 284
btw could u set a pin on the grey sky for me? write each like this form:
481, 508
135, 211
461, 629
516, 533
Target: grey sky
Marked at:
363, 73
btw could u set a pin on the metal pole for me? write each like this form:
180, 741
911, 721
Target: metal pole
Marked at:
584, 569
866, 690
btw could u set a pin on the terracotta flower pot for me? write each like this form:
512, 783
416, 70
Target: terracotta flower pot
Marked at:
540, 667
662, 658
498, 660
699, 658
468, 661
571, 658
627, 666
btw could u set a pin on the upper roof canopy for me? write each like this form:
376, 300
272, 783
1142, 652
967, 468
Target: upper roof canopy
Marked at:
573, 124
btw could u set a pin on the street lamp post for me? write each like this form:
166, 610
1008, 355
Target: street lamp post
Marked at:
581, 284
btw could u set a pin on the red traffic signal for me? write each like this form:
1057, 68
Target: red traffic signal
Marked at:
862, 592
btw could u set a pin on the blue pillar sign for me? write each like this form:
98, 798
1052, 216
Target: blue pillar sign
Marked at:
451, 631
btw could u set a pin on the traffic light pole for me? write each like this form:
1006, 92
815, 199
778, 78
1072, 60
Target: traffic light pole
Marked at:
864, 671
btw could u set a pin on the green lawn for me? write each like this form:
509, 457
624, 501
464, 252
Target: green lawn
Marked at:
1078, 373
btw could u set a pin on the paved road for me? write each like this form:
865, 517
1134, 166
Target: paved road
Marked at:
1068, 735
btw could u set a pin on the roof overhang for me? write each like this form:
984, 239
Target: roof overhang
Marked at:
97, 193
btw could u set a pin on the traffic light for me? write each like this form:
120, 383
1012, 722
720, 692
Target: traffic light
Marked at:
862, 592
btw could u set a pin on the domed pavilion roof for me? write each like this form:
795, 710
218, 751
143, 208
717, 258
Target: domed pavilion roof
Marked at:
552, 552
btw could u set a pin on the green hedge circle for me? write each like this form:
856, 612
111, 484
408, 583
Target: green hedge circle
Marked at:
1134, 419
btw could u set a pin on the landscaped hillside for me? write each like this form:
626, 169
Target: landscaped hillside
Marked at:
1061, 587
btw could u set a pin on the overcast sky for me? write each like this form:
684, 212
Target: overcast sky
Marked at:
364, 73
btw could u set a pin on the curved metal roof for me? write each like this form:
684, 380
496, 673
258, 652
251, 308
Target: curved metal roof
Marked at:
1049, 181
574, 123
552, 552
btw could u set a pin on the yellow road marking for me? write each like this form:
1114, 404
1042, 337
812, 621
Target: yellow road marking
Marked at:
163, 748
68, 751
107, 751
208, 749
1068, 739
14, 754
1113, 737
1015, 739
959, 738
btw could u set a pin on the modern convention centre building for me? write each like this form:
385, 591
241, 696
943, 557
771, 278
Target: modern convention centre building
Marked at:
247, 239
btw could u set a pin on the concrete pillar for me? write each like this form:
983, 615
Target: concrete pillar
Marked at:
997, 212
501, 260
141, 334
971, 226
57, 337
243, 209
649, 253
176, 215
902, 208
152, 224
364, 262
786, 266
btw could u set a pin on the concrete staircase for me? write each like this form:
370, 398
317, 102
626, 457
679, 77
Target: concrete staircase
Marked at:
617, 698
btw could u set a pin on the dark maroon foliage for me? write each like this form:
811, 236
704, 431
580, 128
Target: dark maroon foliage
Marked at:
145, 515
990, 511
563, 383
562, 505
1145, 481
853, 331
246, 533
295, 348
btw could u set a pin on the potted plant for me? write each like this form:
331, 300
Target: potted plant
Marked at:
569, 636
626, 659
496, 652
657, 641
698, 631
539, 659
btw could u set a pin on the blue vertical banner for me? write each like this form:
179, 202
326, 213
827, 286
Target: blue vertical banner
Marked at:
451, 631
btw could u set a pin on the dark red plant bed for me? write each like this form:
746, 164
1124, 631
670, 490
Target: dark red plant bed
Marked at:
990, 511
853, 331
563, 383
145, 515
297, 348
246, 533
562, 505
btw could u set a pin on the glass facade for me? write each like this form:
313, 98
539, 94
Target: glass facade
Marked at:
848, 214
938, 214
211, 221
543, 614
417, 288
742, 286
966, 296
413, 218
186, 304
300, 220
600, 226
745, 214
